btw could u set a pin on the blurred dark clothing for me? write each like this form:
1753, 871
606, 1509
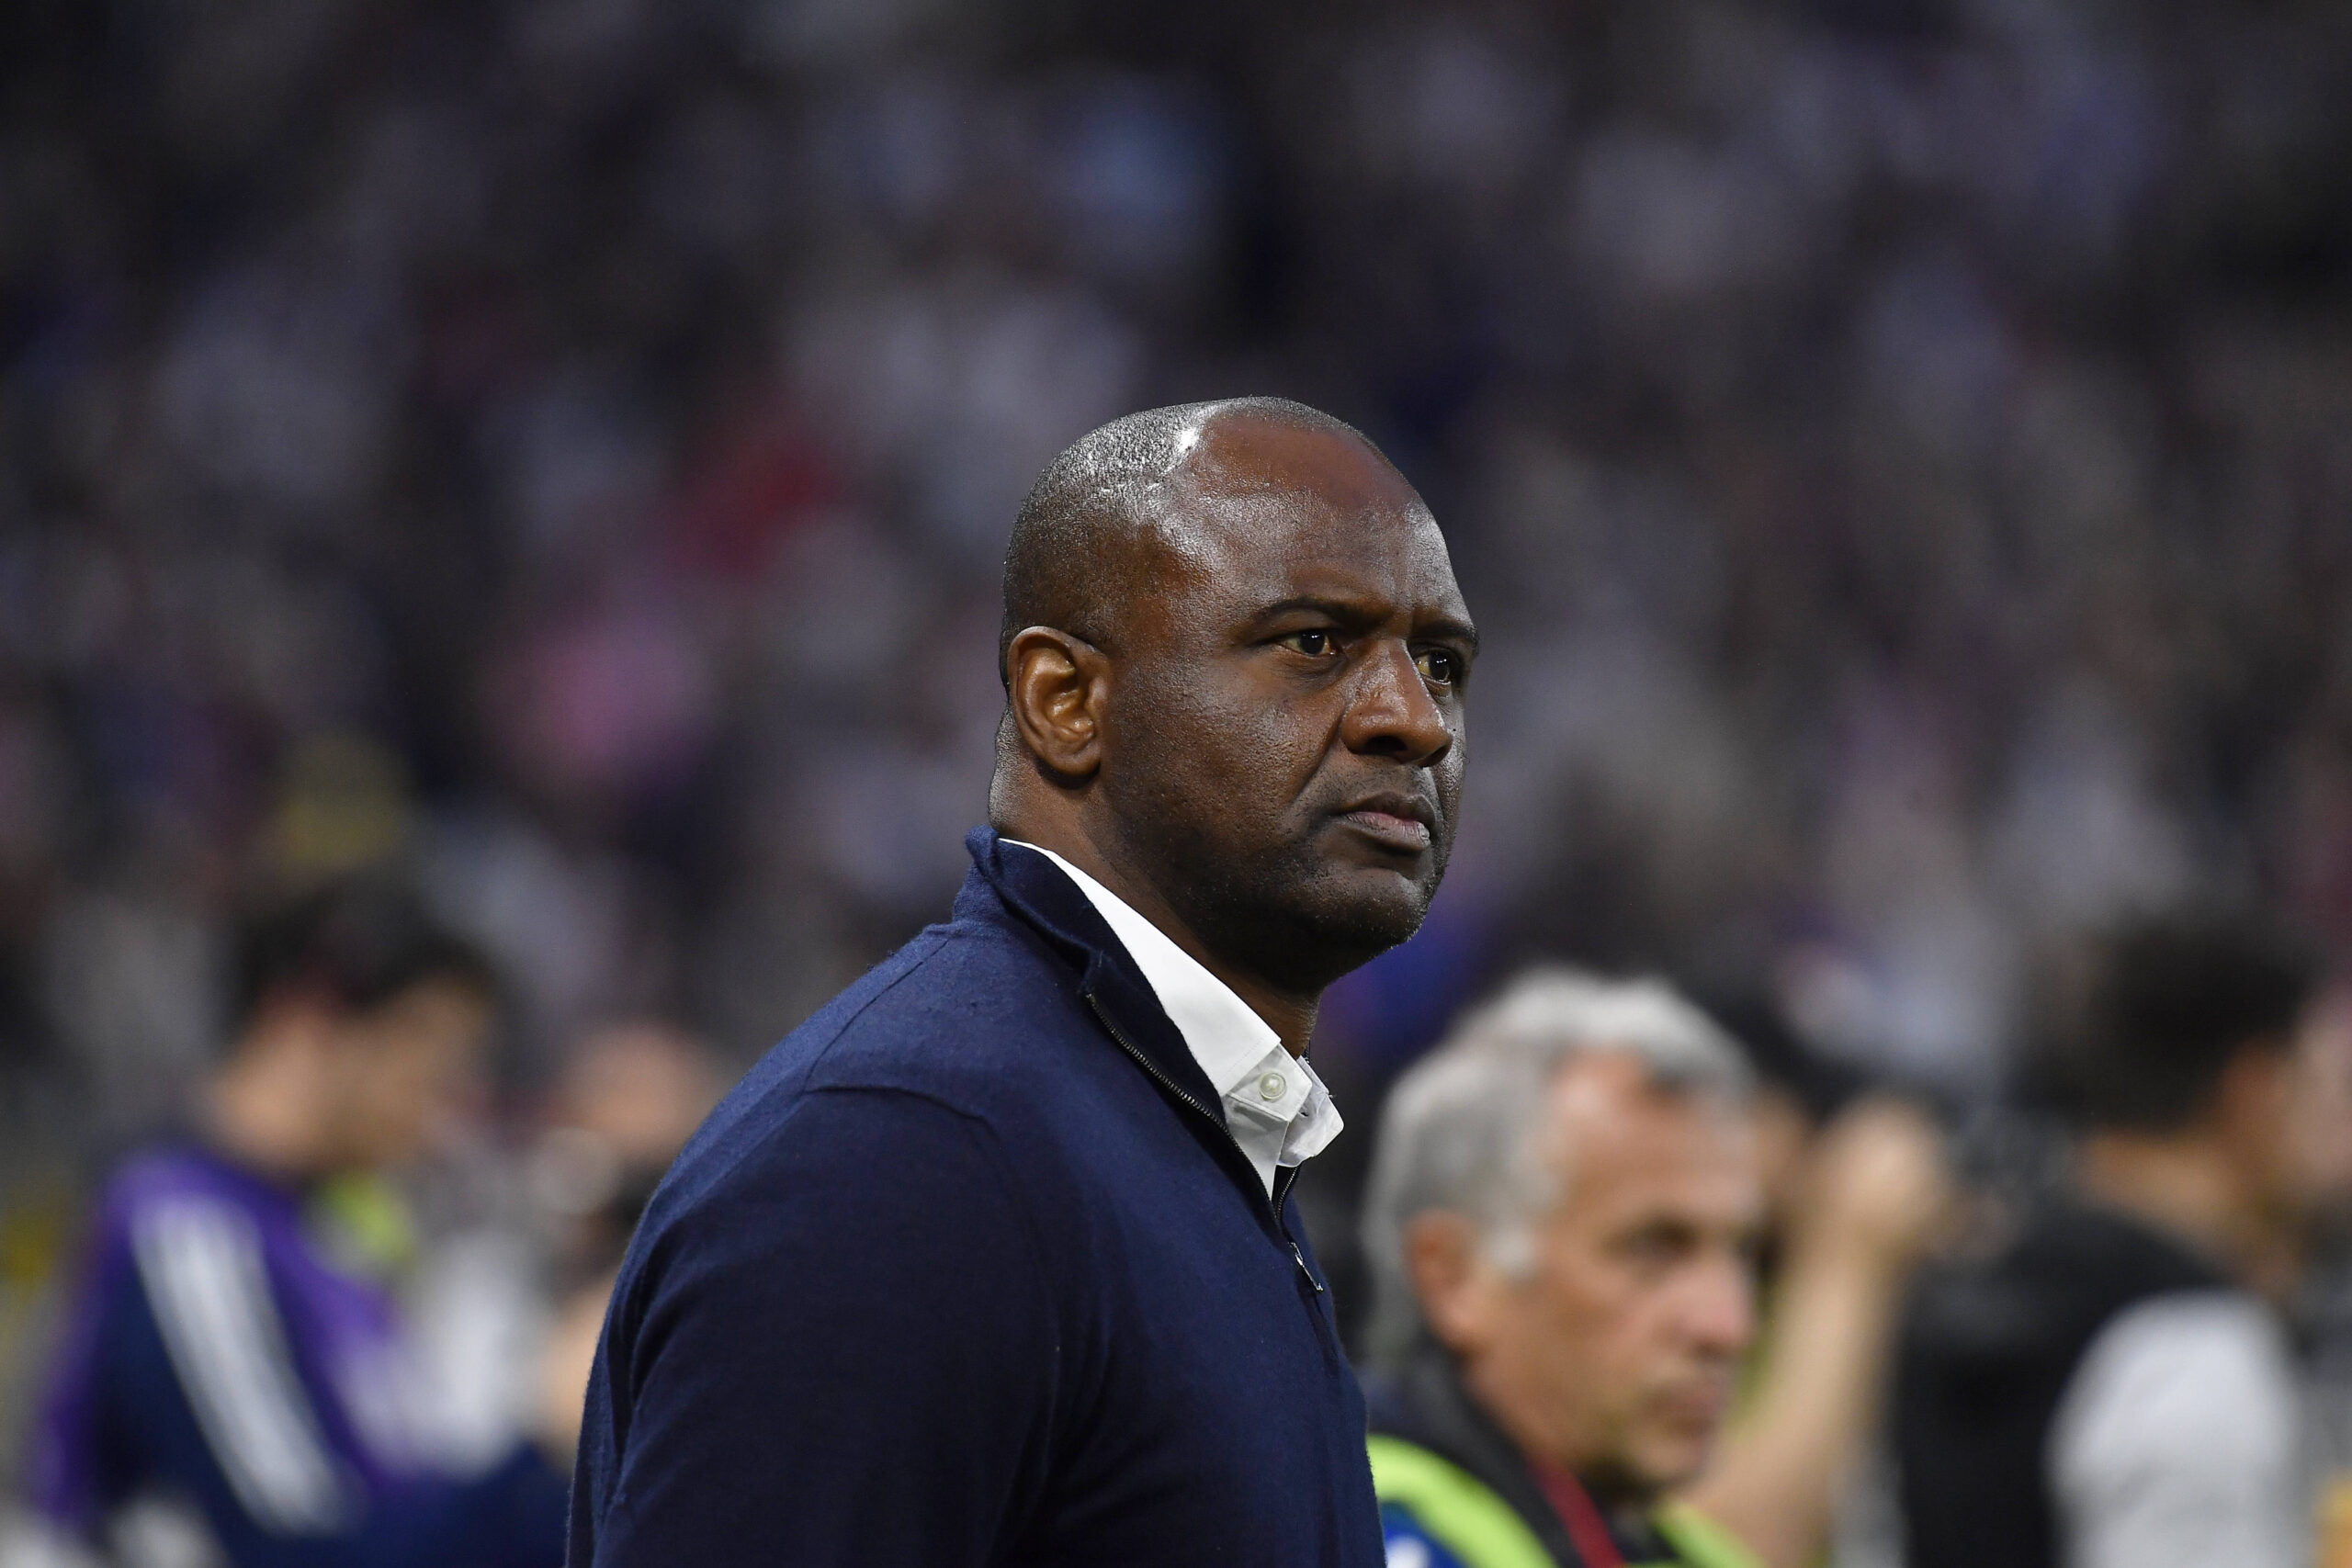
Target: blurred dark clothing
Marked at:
1444, 1473
970, 1271
2095, 1393
220, 1357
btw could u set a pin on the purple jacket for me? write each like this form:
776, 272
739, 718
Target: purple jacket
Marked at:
217, 1356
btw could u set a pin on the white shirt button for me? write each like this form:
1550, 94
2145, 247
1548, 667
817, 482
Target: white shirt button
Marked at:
1271, 1086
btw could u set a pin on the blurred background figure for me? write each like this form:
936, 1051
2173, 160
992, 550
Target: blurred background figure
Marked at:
1625, 1304
2113, 1384
235, 1373
1562, 1215
1871, 1191
1859, 1185
626, 1103
2326, 1298
521, 1228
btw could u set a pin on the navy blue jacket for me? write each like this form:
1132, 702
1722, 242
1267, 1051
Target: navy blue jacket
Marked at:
968, 1271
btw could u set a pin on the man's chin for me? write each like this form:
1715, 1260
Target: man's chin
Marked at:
1359, 912
1328, 907
1676, 1457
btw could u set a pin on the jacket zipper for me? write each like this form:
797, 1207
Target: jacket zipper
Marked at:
1273, 1205
1283, 1177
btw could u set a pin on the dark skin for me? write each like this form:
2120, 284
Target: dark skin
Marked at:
1260, 749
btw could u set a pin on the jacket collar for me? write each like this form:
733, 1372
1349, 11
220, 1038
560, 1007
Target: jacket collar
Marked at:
1038, 893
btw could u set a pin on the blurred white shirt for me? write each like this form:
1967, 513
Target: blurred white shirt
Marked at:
2175, 1445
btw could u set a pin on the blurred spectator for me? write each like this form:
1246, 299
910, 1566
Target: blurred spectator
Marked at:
1857, 1185
1874, 1188
1562, 1211
626, 1102
231, 1364
520, 1234
2323, 1108
2110, 1386
1895, 451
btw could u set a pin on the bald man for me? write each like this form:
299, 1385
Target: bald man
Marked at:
994, 1260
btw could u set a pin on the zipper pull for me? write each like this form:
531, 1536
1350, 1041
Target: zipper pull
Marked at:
1300, 1259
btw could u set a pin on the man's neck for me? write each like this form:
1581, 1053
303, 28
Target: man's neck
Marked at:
1533, 1429
1289, 1016
1595, 1505
2182, 1184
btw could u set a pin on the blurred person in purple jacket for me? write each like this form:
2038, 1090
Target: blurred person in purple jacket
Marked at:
228, 1365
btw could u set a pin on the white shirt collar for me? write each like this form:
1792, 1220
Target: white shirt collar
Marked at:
1277, 1107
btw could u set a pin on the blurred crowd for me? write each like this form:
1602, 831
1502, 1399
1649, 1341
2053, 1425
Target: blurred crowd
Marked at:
1896, 450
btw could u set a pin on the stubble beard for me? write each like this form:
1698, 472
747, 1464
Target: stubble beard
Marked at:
1283, 912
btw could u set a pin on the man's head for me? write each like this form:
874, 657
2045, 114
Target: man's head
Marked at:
2208, 1024
1234, 656
1566, 1197
361, 1023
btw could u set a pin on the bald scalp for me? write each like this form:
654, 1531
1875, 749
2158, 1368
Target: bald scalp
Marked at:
1078, 542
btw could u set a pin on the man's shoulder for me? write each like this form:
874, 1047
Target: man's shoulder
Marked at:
2182, 1374
2040, 1298
954, 1014
178, 1181
1438, 1514
2177, 1439
968, 1016
179, 1220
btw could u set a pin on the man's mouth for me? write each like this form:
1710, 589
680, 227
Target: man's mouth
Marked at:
1699, 1404
1399, 822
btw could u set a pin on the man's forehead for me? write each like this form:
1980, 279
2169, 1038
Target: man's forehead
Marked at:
1613, 1117
1243, 453
1300, 507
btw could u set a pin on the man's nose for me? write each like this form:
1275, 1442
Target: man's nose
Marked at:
1719, 1312
1393, 713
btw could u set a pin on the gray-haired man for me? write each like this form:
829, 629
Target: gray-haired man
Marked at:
1561, 1216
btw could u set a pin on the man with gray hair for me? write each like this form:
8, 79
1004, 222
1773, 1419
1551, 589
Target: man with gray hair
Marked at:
1561, 1220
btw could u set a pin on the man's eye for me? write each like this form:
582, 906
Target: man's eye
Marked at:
1314, 645
1656, 1245
1437, 664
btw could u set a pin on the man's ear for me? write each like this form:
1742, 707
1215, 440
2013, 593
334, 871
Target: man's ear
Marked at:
2251, 1106
1059, 686
1452, 1279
